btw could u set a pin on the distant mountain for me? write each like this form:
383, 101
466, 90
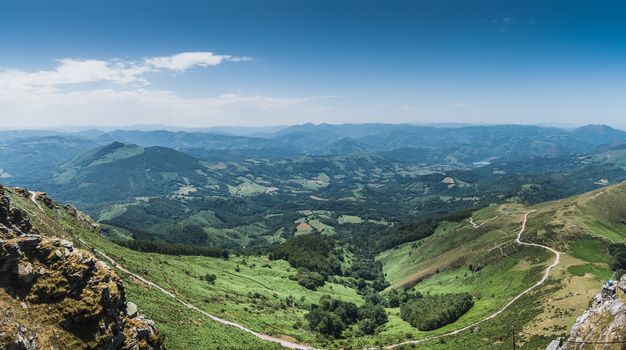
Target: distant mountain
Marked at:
117, 171
600, 134
183, 140
27, 160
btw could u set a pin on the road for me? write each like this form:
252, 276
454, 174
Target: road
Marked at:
545, 276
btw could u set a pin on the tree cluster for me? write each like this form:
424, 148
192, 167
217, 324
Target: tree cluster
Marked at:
161, 247
435, 311
313, 252
332, 316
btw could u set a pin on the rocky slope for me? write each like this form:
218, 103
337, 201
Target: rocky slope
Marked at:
603, 325
56, 296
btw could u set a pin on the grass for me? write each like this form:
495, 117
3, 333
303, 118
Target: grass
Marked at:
250, 290
253, 291
591, 250
349, 219
601, 272
603, 231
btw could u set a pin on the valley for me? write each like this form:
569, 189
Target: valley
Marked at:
254, 253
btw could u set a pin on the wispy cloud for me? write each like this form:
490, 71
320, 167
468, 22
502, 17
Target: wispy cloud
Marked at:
186, 60
69, 93
75, 71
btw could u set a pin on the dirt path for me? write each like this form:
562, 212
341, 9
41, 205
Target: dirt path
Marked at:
546, 274
282, 342
33, 198
475, 225
291, 345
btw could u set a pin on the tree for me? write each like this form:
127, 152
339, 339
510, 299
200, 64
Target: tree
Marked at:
368, 326
209, 277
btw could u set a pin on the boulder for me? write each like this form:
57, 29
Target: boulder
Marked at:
131, 309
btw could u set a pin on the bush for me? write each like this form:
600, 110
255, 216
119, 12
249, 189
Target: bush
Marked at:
326, 323
618, 251
368, 326
209, 277
435, 311
308, 279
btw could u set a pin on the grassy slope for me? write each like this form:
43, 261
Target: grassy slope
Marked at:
436, 264
254, 296
580, 227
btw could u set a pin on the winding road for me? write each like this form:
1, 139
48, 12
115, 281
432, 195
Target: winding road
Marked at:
545, 276
296, 346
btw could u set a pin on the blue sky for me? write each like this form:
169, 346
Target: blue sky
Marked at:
203, 63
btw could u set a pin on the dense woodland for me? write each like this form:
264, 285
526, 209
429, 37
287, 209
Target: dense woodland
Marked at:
435, 311
331, 317
172, 249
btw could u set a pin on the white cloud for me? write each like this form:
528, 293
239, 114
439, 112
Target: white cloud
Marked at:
76, 71
52, 97
184, 61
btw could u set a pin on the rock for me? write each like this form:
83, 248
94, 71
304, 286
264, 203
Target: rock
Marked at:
25, 272
131, 309
65, 243
24, 341
605, 320
555, 344
45, 274
29, 243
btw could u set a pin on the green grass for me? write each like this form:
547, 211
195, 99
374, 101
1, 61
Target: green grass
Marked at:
603, 231
601, 272
591, 250
232, 296
250, 290
349, 219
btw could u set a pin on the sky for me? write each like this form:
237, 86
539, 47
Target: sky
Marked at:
259, 63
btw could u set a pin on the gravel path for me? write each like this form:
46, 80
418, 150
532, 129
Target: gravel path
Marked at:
546, 274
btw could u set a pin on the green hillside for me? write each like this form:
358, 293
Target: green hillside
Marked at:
459, 258
487, 263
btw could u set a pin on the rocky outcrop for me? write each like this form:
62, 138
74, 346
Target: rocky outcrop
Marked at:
56, 296
604, 321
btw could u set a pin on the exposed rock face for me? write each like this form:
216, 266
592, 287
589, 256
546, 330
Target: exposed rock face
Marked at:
55, 296
604, 321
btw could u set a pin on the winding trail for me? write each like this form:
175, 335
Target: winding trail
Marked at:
284, 343
296, 346
33, 198
475, 225
545, 276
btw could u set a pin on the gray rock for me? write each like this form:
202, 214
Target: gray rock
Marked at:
65, 243
554, 345
25, 272
131, 309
